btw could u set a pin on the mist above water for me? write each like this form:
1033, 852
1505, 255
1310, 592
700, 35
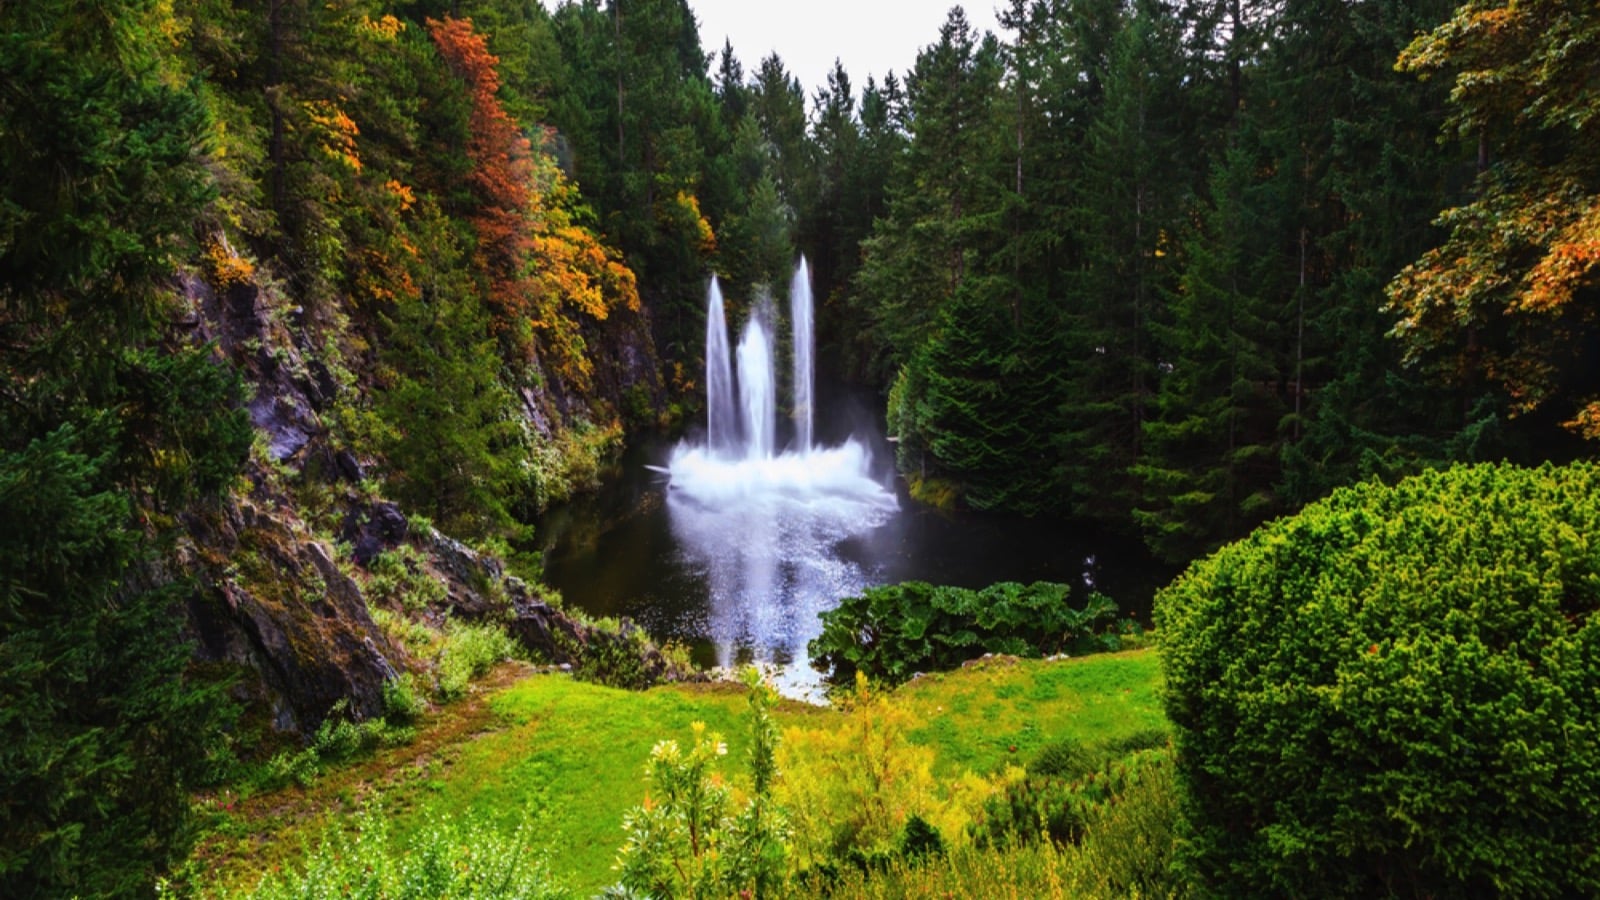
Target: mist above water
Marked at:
765, 526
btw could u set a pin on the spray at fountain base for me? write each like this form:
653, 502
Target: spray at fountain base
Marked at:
825, 476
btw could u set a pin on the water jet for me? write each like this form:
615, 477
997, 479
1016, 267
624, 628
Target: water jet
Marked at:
763, 524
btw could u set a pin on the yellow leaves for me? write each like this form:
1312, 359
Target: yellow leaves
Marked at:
856, 783
683, 211
576, 276
336, 132
387, 28
224, 268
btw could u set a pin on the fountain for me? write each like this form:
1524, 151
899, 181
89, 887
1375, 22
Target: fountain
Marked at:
721, 427
800, 318
763, 525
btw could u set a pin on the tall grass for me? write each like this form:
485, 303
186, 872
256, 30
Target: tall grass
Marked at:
460, 859
1126, 851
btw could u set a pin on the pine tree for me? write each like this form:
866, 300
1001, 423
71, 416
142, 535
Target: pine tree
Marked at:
1212, 448
109, 431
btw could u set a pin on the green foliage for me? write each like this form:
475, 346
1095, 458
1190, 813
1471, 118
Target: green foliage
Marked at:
403, 701
893, 631
401, 576
1061, 807
1395, 691
340, 739
690, 838
575, 749
470, 650
111, 427
465, 858
1125, 850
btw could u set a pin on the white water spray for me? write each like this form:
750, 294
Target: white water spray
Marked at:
800, 303
721, 426
765, 526
758, 390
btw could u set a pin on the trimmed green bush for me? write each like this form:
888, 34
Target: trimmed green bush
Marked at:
1396, 691
893, 631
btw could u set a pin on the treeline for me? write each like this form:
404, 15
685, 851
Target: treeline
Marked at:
1134, 263
1138, 262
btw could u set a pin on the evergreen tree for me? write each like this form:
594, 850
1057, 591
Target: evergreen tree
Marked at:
1212, 448
918, 256
1136, 183
110, 429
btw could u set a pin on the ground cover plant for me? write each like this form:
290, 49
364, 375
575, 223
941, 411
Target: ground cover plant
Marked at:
1396, 691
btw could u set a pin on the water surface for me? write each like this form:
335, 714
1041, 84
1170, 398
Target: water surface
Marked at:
740, 573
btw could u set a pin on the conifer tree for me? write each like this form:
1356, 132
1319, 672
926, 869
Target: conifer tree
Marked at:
111, 427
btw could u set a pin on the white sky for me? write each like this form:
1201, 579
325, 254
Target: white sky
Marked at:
868, 36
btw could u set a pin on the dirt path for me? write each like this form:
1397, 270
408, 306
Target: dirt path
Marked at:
231, 850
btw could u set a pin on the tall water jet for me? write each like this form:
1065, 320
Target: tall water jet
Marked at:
721, 422
765, 527
758, 391
800, 303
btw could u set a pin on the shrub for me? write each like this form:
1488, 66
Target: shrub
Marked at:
471, 650
896, 630
1397, 691
337, 740
1061, 807
446, 858
401, 576
689, 838
851, 788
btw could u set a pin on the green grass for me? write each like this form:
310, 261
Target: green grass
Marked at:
1002, 711
577, 751
581, 749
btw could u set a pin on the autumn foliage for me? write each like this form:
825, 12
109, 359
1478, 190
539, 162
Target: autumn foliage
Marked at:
1520, 271
544, 272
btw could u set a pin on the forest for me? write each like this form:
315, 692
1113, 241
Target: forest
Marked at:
311, 311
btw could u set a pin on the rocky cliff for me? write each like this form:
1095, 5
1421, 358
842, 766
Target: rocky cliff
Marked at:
283, 566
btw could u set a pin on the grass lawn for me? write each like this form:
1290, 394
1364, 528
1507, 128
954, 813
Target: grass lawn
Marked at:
575, 752
1001, 711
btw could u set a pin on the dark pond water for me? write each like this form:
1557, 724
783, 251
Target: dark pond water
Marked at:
744, 579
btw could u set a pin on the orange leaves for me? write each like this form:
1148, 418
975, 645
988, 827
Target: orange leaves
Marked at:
402, 193
501, 172
1587, 422
1569, 262
336, 132
541, 269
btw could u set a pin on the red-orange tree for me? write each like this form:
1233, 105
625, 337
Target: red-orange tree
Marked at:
502, 170
1513, 294
545, 273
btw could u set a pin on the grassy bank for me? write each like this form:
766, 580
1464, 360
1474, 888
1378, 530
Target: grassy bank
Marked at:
573, 754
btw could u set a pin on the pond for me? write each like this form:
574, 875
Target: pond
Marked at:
741, 575
734, 540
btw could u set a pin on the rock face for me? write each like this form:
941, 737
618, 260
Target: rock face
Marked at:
274, 607
277, 609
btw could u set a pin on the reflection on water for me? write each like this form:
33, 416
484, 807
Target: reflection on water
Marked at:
764, 534
744, 578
